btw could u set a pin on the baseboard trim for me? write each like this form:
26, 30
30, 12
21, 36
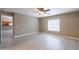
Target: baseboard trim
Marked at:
38, 32
76, 38
26, 34
68, 37
71, 37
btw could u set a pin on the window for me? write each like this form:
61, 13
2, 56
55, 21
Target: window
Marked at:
54, 25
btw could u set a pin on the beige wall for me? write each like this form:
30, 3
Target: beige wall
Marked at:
25, 24
69, 24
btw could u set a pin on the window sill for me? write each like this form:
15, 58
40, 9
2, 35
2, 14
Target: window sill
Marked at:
53, 30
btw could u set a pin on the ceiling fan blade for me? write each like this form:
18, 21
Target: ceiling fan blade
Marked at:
47, 10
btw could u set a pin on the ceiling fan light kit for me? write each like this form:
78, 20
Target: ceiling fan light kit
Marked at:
41, 11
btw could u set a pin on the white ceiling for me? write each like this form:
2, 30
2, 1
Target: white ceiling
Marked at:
30, 12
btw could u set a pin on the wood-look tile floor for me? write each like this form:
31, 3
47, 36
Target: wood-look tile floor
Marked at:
42, 41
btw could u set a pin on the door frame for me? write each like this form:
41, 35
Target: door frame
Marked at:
8, 14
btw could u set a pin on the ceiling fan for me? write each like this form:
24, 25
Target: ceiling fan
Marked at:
41, 11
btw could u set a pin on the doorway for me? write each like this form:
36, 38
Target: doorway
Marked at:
6, 29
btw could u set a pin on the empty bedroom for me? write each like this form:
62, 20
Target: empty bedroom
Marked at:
39, 28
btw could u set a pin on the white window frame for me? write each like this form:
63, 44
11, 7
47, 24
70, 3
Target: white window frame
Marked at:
52, 25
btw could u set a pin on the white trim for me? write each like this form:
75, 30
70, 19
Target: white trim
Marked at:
76, 38
38, 32
26, 34
71, 37
68, 37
